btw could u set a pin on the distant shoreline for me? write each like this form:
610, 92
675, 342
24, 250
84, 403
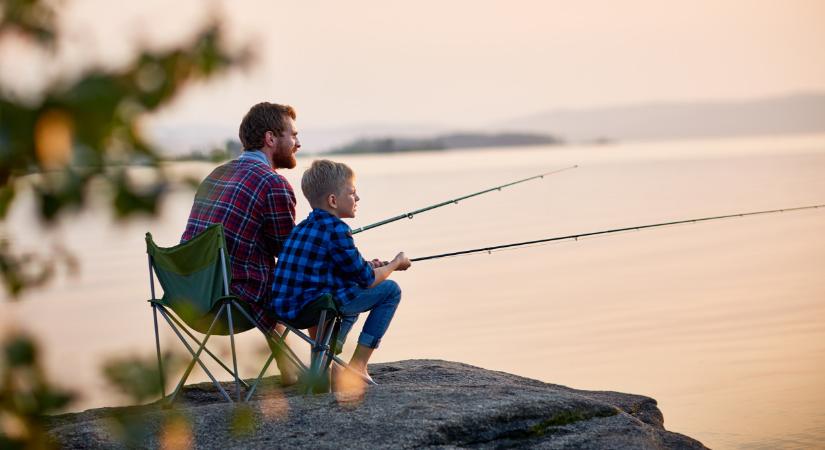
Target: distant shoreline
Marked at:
444, 142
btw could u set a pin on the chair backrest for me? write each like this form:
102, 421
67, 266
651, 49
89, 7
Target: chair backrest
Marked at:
195, 277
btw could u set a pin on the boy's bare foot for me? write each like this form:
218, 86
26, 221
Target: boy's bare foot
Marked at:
367, 376
349, 388
349, 377
360, 358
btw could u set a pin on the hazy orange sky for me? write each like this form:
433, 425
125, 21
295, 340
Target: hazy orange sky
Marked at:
462, 63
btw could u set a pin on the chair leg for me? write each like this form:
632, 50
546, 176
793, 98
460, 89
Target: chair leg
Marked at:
330, 350
334, 357
275, 340
280, 342
281, 345
196, 358
290, 353
316, 354
234, 357
260, 375
160, 359
214, 357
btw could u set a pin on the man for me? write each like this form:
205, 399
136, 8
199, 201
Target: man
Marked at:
256, 206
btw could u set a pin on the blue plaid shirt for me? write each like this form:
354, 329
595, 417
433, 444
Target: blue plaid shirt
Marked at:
319, 257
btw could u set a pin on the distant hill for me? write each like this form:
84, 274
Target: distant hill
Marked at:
444, 142
801, 113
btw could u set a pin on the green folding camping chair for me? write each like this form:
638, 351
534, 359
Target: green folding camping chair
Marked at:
195, 283
195, 280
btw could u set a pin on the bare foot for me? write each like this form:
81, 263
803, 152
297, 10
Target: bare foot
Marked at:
367, 376
356, 373
289, 373
349, 388
362, 370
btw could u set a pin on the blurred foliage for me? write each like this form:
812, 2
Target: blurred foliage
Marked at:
29, 269
73, 133
134, 428
244, 420
89, 128
26, 396
139, 378
33, 18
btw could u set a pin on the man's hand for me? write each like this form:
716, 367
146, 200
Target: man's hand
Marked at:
401, 261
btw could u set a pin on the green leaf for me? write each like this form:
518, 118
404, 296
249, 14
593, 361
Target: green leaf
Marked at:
139, 377
20, 351
6, 197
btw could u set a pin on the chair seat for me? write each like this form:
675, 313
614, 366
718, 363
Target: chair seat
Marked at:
309, 314
201, 322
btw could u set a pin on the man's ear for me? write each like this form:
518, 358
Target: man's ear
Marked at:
332, 201
271, 137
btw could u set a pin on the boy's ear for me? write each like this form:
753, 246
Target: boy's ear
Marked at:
332, 201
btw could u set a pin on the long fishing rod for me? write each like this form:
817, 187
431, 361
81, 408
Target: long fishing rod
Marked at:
411, 214
615, 230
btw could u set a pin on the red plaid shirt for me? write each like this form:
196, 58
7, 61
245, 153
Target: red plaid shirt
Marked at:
257, 209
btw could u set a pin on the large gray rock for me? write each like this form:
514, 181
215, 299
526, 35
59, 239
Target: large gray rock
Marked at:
418, 403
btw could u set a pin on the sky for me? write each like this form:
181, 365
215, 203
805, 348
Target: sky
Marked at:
462, 63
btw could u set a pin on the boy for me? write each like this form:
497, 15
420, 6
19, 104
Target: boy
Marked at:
320, 257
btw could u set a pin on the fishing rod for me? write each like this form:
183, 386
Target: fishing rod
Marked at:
615, 230
411, 214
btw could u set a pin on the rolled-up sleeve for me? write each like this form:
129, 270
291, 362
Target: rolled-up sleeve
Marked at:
348, 259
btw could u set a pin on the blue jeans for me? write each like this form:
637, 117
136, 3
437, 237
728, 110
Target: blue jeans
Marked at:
381, 301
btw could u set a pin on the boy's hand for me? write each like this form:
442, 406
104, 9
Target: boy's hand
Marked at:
401, 261
384, 269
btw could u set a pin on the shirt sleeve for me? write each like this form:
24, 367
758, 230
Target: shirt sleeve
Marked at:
348, 259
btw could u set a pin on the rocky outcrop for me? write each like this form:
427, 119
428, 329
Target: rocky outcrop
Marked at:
418, 403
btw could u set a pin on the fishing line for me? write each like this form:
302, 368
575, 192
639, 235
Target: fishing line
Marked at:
603, 232
411, 214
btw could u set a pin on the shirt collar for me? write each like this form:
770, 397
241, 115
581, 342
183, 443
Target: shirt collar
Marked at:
324, 214
256, 155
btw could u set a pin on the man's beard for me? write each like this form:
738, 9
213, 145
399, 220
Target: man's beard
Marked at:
284, 159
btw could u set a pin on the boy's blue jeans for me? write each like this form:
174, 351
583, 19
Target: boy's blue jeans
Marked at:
381, 301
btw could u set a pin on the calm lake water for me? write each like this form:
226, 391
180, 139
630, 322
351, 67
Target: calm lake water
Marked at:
722, 322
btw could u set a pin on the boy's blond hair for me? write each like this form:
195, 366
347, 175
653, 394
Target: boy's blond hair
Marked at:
324, 177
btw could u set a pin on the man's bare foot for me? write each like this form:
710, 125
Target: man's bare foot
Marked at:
289, 373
